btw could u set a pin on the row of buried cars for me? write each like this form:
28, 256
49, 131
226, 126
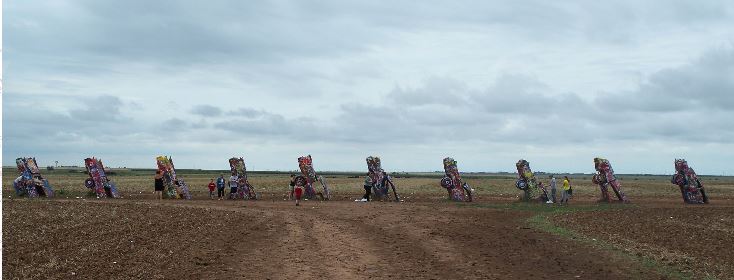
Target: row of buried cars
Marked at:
31, 183
685, 178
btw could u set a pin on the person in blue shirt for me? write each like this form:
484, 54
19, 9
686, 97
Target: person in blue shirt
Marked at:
220, 186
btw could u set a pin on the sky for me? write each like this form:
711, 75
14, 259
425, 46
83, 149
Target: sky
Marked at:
486, 82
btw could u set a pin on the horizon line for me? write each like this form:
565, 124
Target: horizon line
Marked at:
391, 172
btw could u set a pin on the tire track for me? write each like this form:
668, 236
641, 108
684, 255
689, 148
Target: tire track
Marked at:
276, 240
406, 250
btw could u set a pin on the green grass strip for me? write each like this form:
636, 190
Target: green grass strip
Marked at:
548, 208
543, 223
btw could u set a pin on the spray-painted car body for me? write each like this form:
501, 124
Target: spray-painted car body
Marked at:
528, 184
457, 189
605, 178
244, 189
381, 181
175, 186
98, 182
687, 180
305, 163
30, 182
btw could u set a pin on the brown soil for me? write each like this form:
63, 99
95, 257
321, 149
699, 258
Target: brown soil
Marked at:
695, 239
203, 239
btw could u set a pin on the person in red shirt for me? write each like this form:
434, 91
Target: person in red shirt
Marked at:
298, 188
211, 188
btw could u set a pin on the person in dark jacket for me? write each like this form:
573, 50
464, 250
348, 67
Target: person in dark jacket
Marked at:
291, 186
220, 186
159, 184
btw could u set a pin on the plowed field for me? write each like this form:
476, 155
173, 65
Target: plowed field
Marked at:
424, 237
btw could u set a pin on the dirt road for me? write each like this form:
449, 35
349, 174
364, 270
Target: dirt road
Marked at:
277, 240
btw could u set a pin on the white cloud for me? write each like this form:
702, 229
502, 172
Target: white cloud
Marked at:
484, 82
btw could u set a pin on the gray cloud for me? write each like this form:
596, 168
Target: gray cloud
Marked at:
98, 109
705, 84
269, 32
206, 110
417, 80
247, 113
99, 116
173, 125
521, 108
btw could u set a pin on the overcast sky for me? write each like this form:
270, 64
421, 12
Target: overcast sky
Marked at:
486, 82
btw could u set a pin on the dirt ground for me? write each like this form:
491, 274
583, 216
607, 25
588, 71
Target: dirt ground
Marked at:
146, 238
425, 236
696, 239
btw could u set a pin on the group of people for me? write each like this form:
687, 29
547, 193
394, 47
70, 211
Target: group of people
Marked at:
219, 184
566, 190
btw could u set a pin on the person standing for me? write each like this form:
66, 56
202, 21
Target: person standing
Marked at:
220, 186
291, 185
158, 184
232, 186
367, 189
566, 190
298, 189
553, 188
211, 186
